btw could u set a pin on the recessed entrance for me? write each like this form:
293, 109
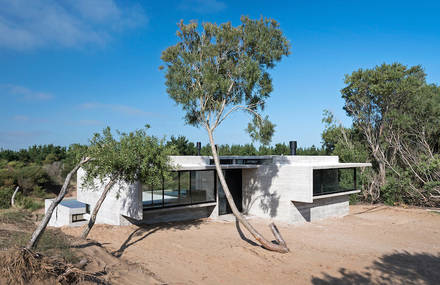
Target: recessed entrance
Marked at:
233, 179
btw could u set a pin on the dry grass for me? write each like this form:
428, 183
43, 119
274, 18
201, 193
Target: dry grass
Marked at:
17, 230
50, 263
22, 266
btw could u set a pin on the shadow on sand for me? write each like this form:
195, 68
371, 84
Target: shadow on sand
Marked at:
143, 231
395, 268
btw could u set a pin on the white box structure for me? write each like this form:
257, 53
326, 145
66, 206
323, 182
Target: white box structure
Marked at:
288, 188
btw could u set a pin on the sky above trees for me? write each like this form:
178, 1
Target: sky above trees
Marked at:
70, 68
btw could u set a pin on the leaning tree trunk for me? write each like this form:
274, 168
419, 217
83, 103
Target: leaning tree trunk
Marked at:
281, 246
13, 197
42, 226
95, 211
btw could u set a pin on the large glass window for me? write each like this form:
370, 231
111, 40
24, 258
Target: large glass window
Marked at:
181, 188
152, 195
326, 181
202, 186
171, 189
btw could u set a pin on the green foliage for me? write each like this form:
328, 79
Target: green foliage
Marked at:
395, 115
30, 203
35, 153
27, 177
5, 197
182, 146
129, 157
261, 130
216, 69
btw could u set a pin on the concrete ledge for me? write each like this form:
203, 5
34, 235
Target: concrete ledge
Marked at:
342, 165
336, 194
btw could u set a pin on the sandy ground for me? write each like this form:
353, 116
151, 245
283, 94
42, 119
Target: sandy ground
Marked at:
372, 245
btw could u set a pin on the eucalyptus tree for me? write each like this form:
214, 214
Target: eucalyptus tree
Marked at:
128, 158
398, 115
215, 70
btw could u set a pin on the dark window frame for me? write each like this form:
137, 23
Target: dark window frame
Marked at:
75, 218
340, 189
163, 205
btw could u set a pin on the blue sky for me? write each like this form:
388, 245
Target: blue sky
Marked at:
70, 68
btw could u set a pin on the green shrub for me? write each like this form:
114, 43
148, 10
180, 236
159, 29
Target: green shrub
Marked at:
39, 192
354, 199
30, 176
5, 197
30, 204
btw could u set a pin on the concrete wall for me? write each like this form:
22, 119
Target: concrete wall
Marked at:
283, 191
320, 209
123, 199
62, 216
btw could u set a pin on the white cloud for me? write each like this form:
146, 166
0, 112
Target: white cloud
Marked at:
24, 93
32, 24
203, 6
119, 108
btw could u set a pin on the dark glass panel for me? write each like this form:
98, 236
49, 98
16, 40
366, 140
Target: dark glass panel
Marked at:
202, 186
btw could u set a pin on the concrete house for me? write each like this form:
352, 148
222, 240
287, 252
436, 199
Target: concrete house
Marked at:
288, 188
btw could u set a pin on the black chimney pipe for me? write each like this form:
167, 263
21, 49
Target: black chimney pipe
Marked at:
292, 145
199, 148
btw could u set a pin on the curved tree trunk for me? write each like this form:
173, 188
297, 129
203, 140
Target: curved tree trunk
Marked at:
13, 197
42, 226
281, 246
95, 211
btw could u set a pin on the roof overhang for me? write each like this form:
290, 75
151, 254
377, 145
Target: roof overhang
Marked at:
341, 165
211, 167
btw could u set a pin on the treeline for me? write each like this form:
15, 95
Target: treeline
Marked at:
37, 153
183, 146
396, 126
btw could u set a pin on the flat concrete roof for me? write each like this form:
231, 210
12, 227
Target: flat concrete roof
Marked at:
341, 165
73, 204
209, 167
336, 194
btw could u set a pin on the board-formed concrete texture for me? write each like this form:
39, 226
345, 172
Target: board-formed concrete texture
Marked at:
275, 187
123, 200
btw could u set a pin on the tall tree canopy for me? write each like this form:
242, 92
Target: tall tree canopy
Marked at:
397, 114
215, 70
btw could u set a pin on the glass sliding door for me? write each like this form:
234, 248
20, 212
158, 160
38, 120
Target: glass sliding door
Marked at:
171, 189
152, 196
184, 194
181, 188
203, 186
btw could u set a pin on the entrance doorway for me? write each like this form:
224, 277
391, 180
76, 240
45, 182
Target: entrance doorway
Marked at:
233, 179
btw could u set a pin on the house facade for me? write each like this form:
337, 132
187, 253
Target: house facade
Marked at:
288, 188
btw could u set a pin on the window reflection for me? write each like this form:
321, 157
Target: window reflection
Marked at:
181, 188
326, 181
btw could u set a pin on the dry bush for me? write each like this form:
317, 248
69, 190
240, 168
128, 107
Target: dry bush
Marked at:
22, 266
